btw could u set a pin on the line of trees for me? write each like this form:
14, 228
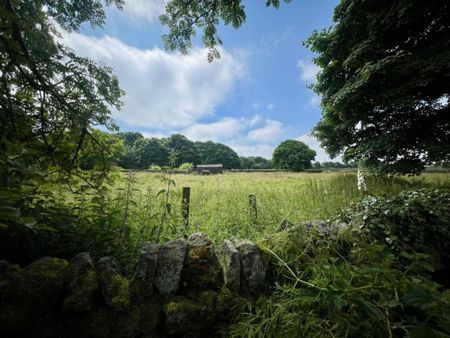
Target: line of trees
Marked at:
139, 152
173, 151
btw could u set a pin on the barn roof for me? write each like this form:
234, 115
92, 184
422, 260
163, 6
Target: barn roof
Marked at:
210, 166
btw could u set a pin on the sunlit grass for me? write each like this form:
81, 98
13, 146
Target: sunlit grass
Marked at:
219, 204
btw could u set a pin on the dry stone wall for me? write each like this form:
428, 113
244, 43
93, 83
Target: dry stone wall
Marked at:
182, 288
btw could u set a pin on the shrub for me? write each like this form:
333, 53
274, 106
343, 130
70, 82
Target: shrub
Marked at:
185, 166
155, 168
412, 221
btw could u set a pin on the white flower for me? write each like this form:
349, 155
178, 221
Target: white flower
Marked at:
361, 182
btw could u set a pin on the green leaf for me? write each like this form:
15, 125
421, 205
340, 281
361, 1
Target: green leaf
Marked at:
9, 213
28, 221
160, 192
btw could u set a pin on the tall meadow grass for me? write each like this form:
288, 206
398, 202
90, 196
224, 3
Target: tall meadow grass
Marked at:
219, 204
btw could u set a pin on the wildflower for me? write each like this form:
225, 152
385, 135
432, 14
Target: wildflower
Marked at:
361, 182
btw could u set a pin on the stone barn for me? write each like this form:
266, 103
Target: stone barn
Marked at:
209, 169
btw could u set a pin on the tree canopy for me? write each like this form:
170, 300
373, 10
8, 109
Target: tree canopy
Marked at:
255, 162
293, 155
385, 83
184, 17
142, 153
182, 150
150, 151
50, 98
217, 153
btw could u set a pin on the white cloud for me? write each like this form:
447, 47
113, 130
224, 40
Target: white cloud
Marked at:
225, 128
254, 136
308, 71
270, 132
263, 150
315, 100
163, 90
255, 120
150, 134
314, 144
148, 10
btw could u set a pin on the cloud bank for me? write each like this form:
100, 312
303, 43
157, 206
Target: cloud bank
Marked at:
163, 90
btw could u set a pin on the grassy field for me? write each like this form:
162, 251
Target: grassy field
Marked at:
220, 204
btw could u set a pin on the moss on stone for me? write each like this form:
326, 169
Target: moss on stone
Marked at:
119, 287
31, 303
82, 284
139, 321
202, 269
187, 317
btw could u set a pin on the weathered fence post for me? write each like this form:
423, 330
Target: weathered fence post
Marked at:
185, 201
252, 209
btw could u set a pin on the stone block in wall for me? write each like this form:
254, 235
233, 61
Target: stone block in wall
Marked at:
185, 317
254, 267
144, 277
231, 265
82, 284
170, 263
8, 272
139, 320
201, 268
31, 303
114, 287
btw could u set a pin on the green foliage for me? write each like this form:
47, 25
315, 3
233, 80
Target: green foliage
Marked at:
183, 18
339, 284
186, 166
93, 157
141, 153
46, 90
129, 159
182, 150
338, 165
416, 221
217, 153
130, 138
385, 82
150, 151
255, 162
51, 102
293, 155
155, 168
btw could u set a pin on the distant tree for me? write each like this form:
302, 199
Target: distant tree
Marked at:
130, 137
129, 160
150, 151
317, 165
217, 153
182, 150
293, 155
385, 83
255, 162
338, 165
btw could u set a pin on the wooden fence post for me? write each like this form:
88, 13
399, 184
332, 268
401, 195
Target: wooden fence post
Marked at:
185, 201
252, 209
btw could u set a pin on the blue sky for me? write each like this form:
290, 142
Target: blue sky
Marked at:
251, 99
